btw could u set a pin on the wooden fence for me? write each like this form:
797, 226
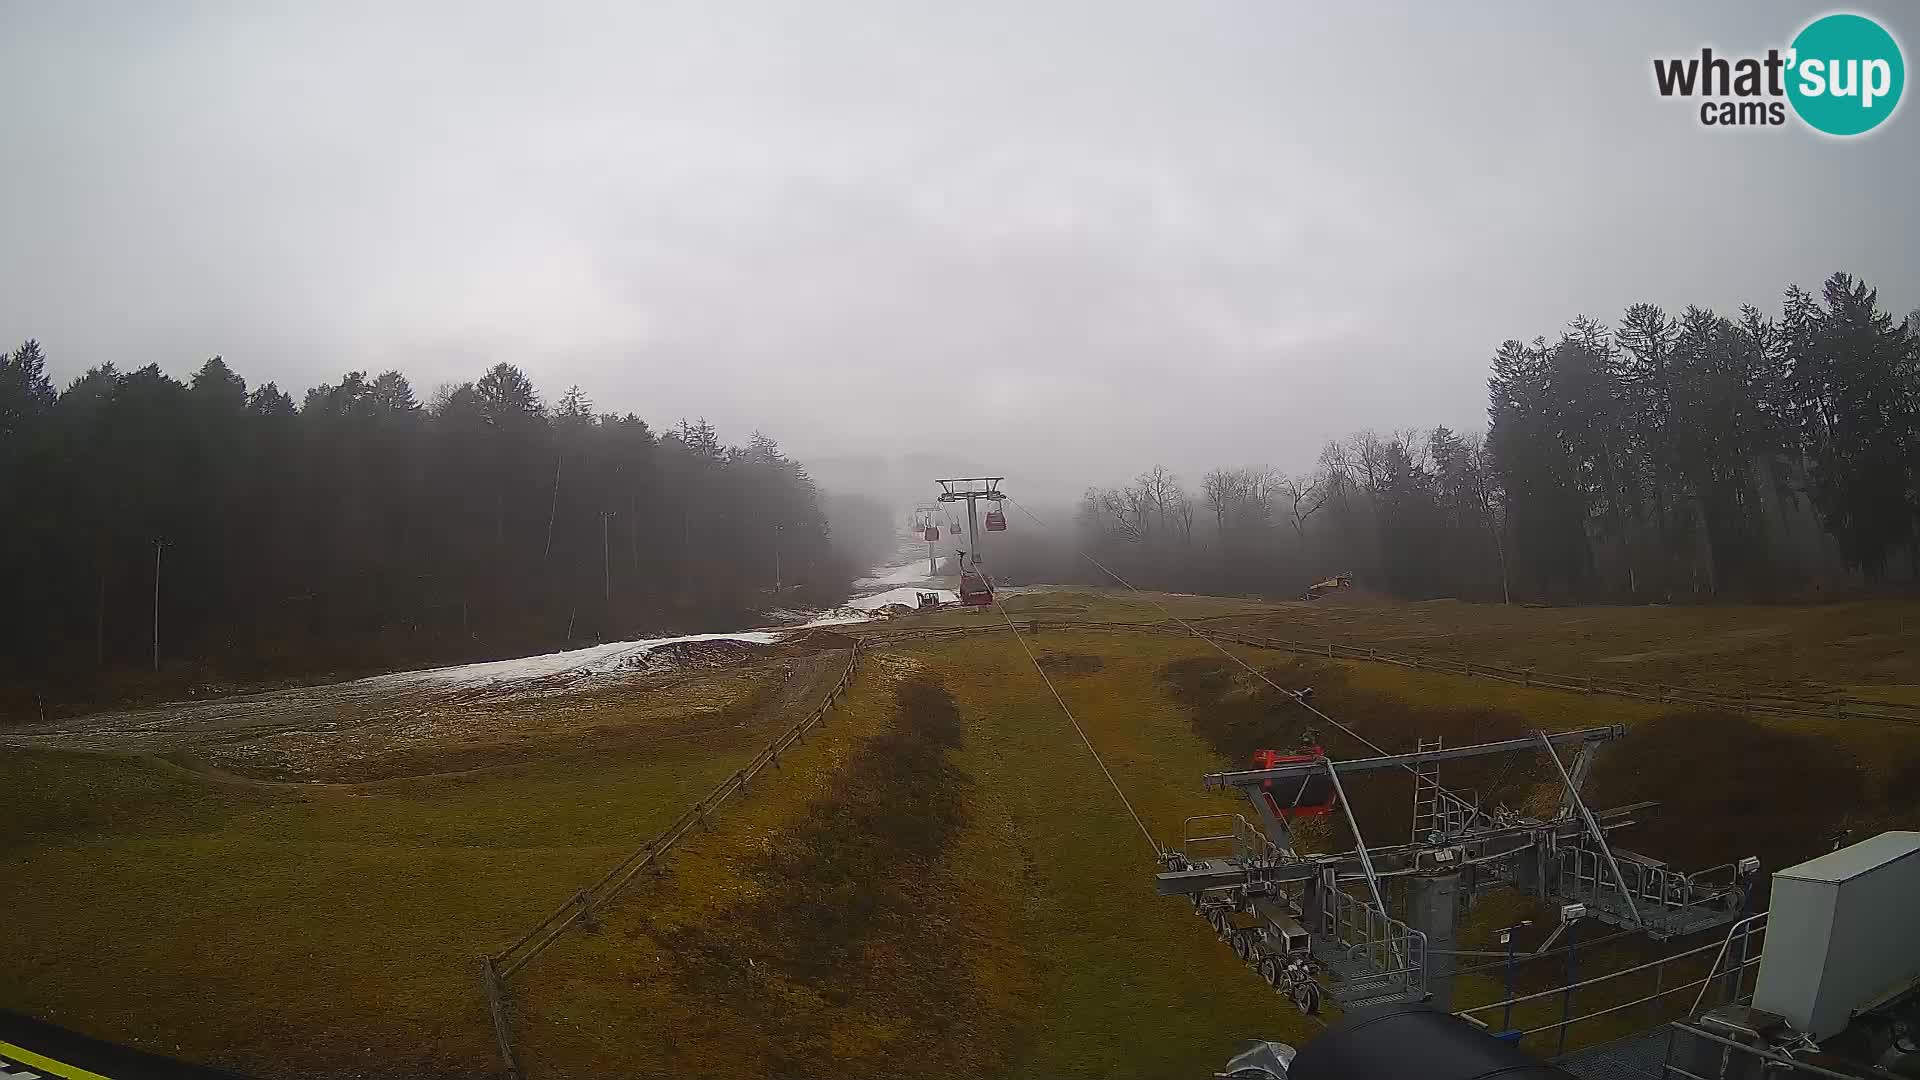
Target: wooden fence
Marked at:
497, 968
1833, 707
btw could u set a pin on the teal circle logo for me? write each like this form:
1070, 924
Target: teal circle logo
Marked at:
1846, 74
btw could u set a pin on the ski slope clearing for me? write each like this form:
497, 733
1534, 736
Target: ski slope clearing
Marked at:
650, 656
363, 726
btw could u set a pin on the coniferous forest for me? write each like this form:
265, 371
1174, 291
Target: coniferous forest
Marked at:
1667, 458
360, 528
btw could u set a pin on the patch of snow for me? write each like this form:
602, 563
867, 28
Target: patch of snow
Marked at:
909, 596
906, 573
613, 658
841, 617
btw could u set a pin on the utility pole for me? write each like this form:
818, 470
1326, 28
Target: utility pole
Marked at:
553, 506
777, 531
157, 542
606, 564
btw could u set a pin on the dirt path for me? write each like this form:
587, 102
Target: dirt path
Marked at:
371, 730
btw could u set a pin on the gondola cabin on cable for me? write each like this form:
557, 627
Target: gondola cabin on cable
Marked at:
996, 521
975, 589
931, 534
1306, 795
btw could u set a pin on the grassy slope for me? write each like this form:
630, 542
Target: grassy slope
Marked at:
1045, 900
251, 925
1134, 984
1867, 643
603, 1004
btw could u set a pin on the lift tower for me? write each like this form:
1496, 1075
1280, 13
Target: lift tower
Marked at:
976, 587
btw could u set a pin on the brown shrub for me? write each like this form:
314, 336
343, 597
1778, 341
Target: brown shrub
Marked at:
1070, 663
1729, 787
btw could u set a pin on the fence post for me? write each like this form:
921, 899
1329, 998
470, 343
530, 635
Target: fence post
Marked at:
497, 1009
1589, 684
1329, 650
1526, 677
1566, 1000
1416, 661
1662, 688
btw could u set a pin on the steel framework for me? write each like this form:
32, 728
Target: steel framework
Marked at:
1322, 925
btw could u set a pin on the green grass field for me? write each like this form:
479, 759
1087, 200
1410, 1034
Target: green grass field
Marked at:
908, 895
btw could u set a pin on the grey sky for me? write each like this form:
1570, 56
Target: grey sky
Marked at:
1065, 240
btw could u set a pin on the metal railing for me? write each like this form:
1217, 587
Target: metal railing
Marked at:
1663, 897
1732, 976
1394, 954
1744, 931
1776, 1062
1241, 841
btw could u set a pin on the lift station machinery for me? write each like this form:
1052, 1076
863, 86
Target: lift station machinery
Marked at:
1376, 924
976, 585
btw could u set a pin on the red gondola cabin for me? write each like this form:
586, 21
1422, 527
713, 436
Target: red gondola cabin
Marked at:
1308, 795
932, 534
996, 521
975, 590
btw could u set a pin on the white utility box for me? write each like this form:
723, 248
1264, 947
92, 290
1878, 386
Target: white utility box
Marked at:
1843, 933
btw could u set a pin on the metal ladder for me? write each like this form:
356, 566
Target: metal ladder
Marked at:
1426, 794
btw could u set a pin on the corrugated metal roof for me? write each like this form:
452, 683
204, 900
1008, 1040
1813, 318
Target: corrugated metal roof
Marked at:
1855, 859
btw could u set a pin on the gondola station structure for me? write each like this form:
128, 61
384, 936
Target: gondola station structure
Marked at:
1377, 924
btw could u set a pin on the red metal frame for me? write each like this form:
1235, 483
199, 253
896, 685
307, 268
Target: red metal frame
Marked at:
1321, 804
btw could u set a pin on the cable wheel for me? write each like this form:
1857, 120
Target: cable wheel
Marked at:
1306, 997
1270, 971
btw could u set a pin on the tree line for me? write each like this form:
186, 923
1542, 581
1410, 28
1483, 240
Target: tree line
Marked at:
361, 527
1665, 458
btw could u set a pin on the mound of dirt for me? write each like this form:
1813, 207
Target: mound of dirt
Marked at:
815, 640
686, 655
1730, 787
1238, 714
1055, 663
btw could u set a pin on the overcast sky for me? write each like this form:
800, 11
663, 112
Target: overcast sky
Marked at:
1064, 240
